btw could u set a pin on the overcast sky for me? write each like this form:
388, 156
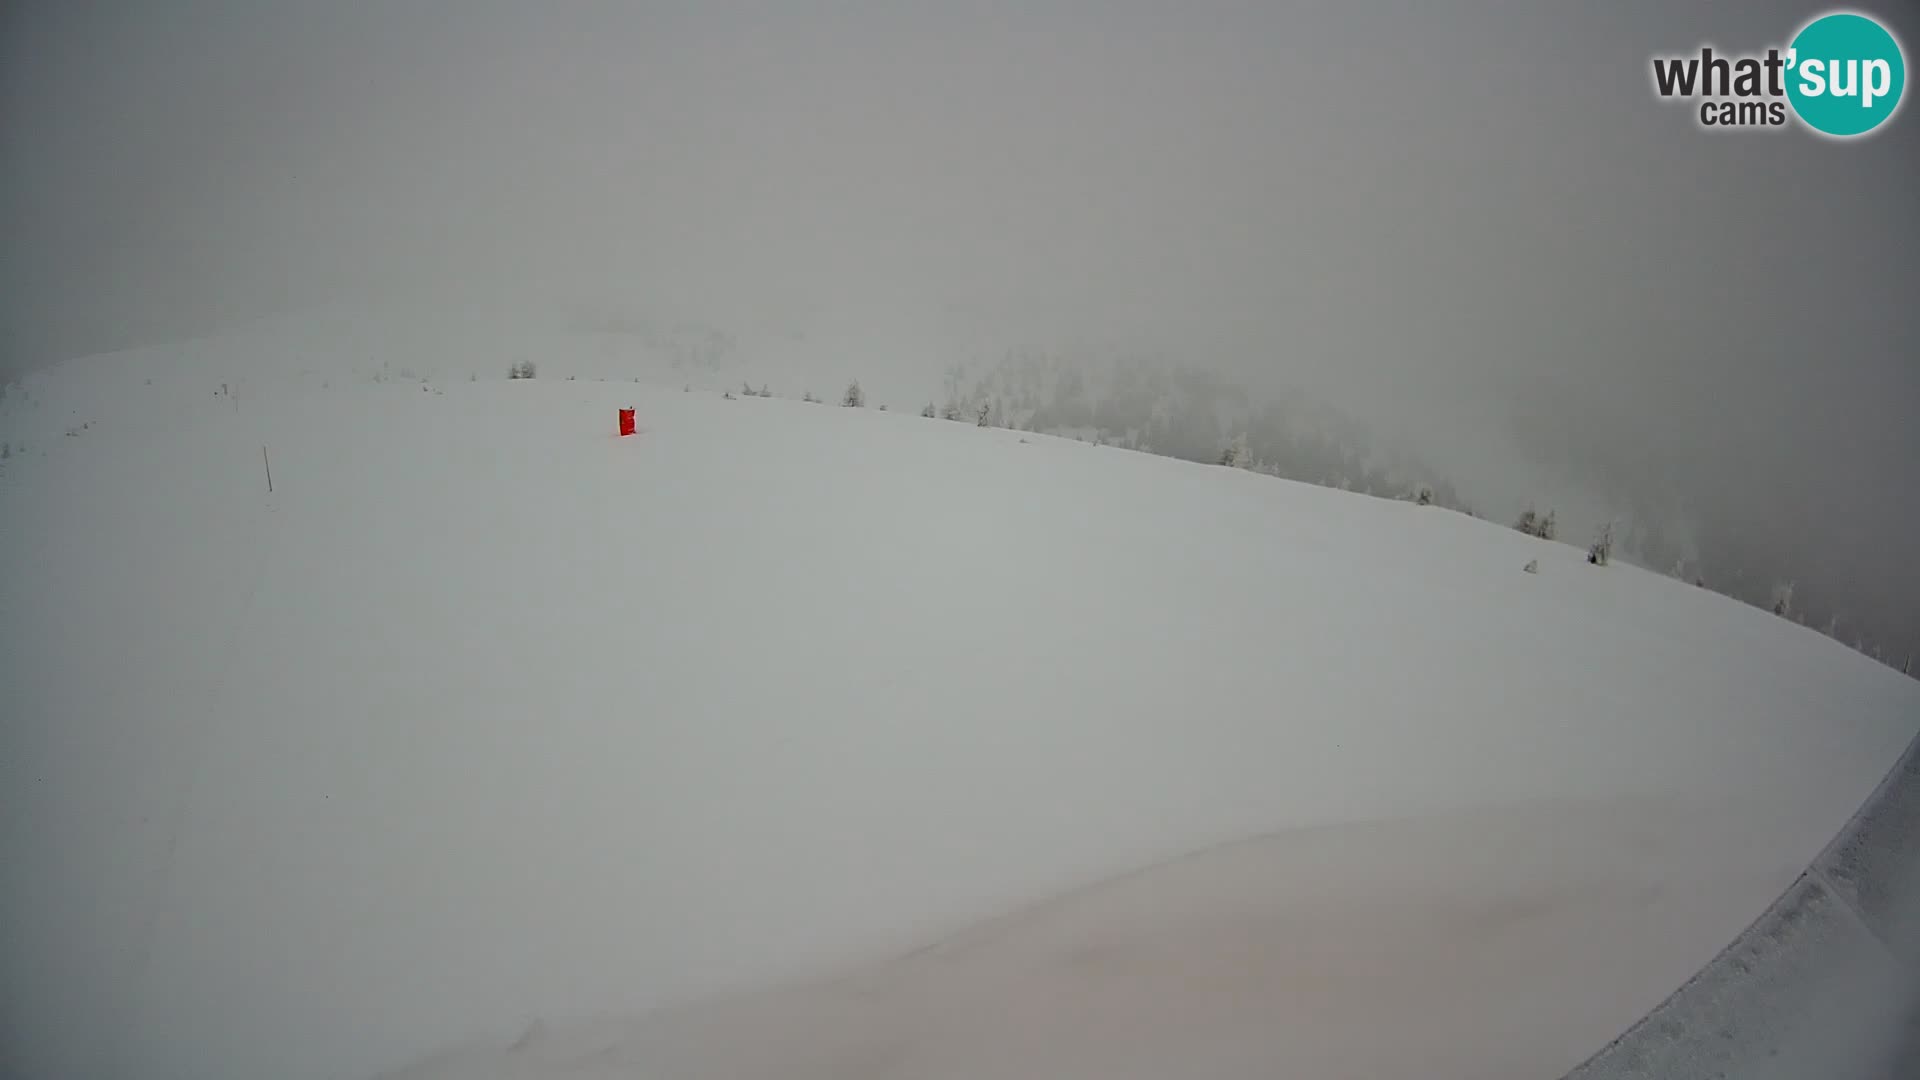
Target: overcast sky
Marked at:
1456, 218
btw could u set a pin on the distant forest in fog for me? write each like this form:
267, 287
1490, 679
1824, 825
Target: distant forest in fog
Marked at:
1152, 405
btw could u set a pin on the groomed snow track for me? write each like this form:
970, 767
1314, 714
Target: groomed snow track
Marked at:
1825, 983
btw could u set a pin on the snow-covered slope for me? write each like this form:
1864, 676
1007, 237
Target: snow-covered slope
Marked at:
901, 368
484, 716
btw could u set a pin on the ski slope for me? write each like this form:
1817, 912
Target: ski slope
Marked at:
489, 744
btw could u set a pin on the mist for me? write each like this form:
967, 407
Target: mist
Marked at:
1470, 225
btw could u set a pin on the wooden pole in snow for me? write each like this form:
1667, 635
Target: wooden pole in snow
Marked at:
269, 464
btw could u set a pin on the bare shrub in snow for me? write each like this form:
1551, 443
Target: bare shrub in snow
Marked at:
986, 414
521, 370
854, 398
808, 397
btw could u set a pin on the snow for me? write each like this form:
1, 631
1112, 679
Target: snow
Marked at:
486, 717
1825, 983
1455, 945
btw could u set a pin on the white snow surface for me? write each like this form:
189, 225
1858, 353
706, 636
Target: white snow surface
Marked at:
793, 740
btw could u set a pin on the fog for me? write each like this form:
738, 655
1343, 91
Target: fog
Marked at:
1471, 225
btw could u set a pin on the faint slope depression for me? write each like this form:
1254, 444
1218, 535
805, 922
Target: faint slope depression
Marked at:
489, 743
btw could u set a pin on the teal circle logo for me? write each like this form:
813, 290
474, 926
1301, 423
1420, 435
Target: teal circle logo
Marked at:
1845, 74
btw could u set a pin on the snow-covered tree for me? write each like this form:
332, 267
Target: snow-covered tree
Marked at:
1528, 522
1600, 552
854, 398
1783, 600
928, 411
1237, 455
986, 414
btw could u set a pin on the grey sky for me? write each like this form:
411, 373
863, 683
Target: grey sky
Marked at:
1455, 218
